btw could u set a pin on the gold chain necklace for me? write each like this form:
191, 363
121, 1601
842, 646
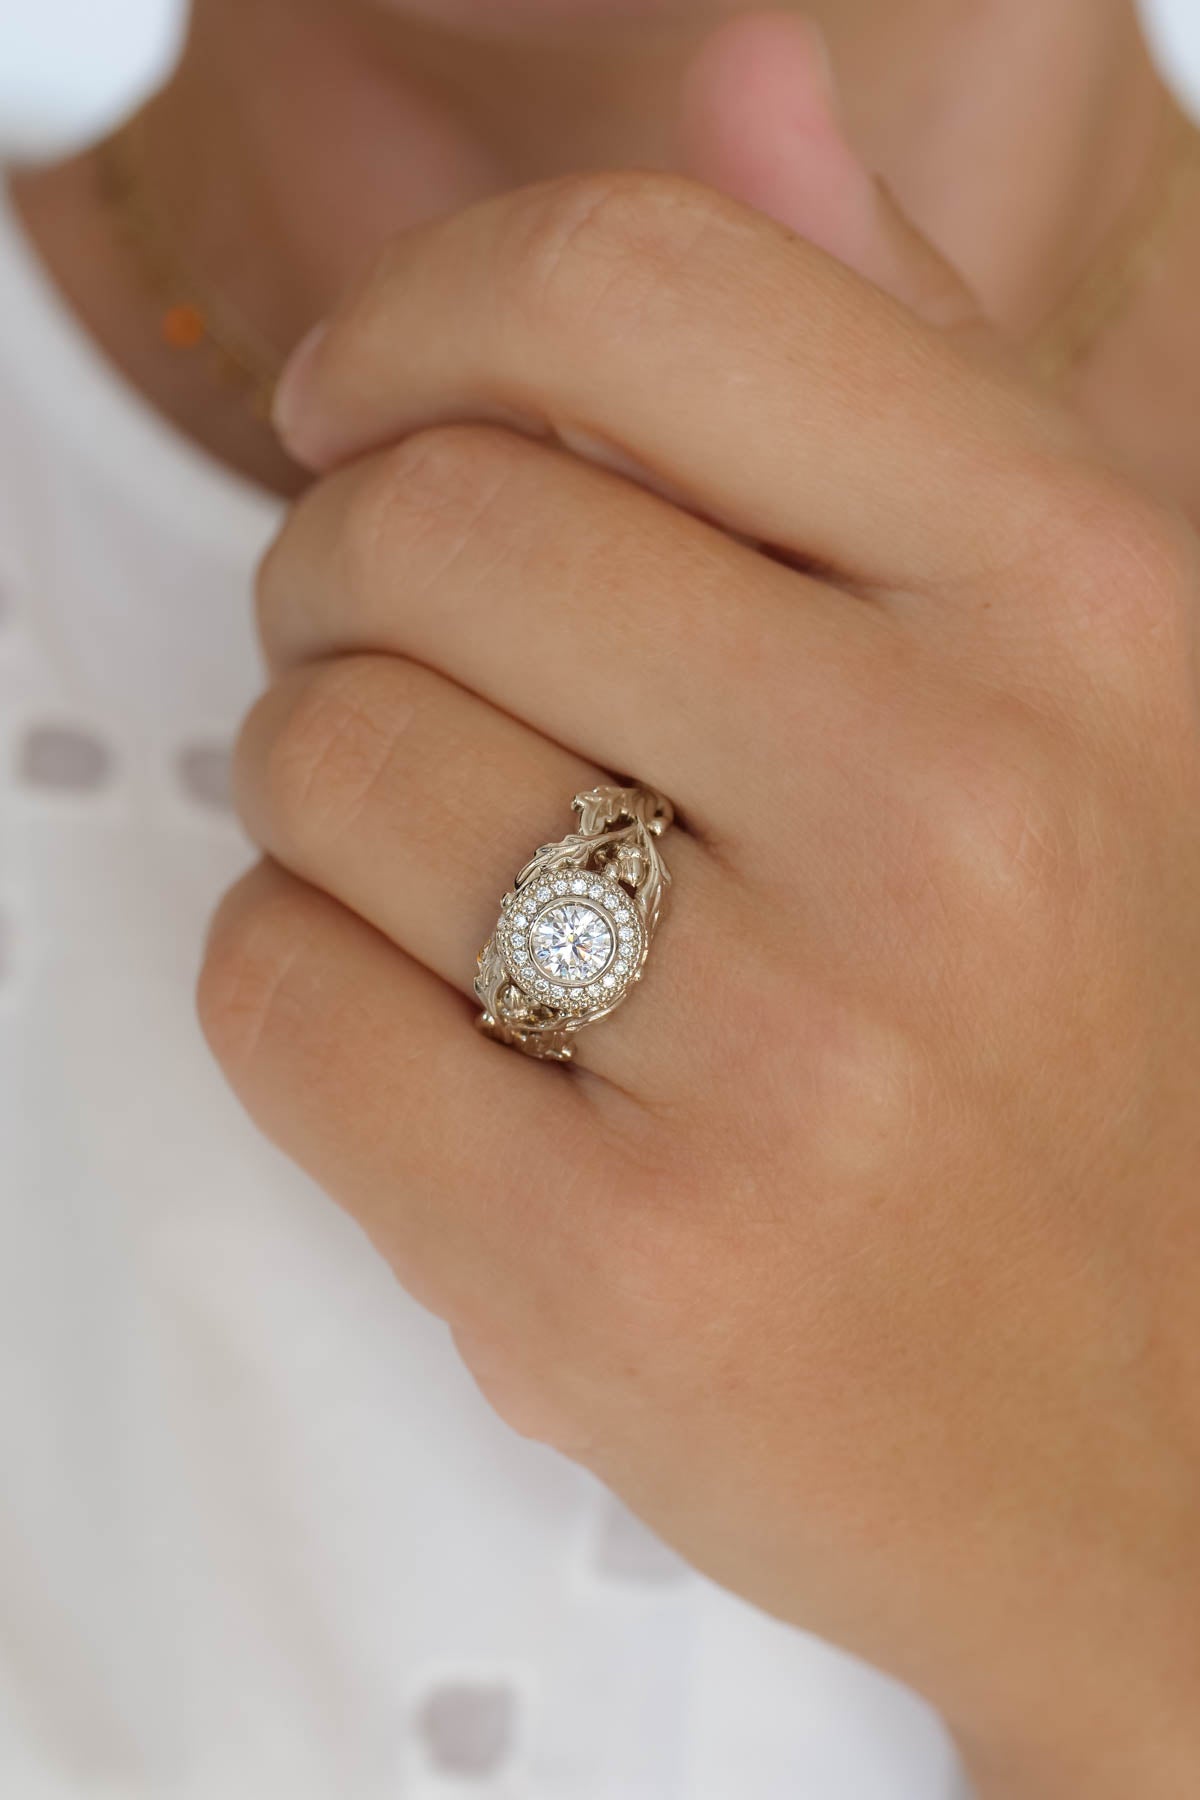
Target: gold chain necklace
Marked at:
1125, 262
194, 318
198, 321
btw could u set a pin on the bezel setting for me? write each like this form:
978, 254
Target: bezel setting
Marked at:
524, 908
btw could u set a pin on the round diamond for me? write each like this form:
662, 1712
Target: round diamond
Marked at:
627, 934
596, 891
579, 885
521, 921
622, 914
572, 942
543, 893
560, 886
610, 981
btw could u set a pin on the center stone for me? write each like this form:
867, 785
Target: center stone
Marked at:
571, 942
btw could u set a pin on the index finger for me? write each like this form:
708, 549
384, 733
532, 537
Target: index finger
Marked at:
738, 366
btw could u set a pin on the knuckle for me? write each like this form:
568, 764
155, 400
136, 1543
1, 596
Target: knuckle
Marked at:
421, 499
1127, 569
841, 1093
602, 240
339, 727
255, 942
1008, 826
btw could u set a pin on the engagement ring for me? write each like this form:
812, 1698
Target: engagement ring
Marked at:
576, 927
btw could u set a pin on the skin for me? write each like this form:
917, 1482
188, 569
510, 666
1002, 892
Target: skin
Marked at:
380, 114
860, 1254
859, 1251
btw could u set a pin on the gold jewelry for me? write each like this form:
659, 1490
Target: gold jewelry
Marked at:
575, 928
194, 318
1108, 286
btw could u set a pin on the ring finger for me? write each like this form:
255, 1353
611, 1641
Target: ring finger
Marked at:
413, 802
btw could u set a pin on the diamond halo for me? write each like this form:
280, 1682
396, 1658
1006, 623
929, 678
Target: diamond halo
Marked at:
575, 929
572, 940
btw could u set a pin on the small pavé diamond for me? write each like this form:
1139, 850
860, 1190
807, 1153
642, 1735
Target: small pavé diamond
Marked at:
579, 885
622, 914
627, 934
543, 893
610, 981
521, 921
560, 886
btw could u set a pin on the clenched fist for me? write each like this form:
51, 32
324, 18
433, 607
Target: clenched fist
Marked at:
860, 1249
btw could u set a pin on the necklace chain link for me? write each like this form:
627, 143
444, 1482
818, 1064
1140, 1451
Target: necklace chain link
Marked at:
1125, 262
194, 318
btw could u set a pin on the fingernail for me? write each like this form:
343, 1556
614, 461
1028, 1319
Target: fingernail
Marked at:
826, 73
287, 406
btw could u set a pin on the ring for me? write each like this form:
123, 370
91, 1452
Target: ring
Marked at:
576, 926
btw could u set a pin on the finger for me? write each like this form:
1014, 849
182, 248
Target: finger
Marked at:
534, 580
775, 388
761, 122
414, 803
365, 1069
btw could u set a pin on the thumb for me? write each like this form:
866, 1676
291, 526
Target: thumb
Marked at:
760, 121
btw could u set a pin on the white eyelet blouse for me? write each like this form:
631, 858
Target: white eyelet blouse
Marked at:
260, 1536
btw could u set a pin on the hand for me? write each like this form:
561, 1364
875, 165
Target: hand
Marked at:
860, 1254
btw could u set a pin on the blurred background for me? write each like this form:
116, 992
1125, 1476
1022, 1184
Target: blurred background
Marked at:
69, 66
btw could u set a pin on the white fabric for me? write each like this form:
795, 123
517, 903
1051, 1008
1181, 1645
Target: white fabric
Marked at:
260, 1537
